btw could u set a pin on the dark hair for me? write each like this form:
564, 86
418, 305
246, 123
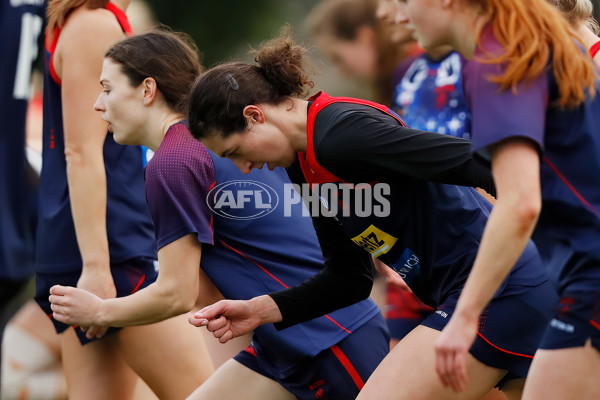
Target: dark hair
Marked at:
220, 94
171, 58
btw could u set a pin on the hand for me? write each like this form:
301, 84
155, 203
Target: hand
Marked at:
227, 319
98, 281
77, 307
451, 349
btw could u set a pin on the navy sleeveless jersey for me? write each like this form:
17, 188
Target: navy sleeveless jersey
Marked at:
21, 23
432, 231
568, 230
254, 240
128, 222
430, 96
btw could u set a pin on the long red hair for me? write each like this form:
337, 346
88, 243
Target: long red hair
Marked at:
532, 31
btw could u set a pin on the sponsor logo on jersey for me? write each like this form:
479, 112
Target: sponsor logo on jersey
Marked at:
407, 265
375, 241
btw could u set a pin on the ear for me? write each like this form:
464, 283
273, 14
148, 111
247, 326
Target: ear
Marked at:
254, 114
150, 90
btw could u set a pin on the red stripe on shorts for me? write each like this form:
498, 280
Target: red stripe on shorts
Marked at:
348, 366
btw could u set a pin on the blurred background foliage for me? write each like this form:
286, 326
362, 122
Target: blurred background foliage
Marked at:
226, 30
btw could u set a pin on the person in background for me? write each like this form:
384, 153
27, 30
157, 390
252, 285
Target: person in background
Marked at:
428, 88
363, 47
579, 13
21, 25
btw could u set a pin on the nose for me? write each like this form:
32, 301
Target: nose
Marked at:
99, 104
243, 165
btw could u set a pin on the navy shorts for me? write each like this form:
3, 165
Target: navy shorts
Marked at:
404, 311
576, 319
336, 373
510, 328
129, 276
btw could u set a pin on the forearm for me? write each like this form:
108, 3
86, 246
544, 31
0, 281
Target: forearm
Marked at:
152, 304
504, 239
516, 168
87, 190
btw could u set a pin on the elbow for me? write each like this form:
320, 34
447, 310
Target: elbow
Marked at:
181, 306
77, 155
523, 211
530, 210
183, 302
528, 213
74, 155
528, 204
180, 300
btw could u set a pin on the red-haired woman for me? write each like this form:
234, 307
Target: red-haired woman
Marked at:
532, 90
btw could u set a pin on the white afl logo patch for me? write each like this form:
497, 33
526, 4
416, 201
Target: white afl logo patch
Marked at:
242, 199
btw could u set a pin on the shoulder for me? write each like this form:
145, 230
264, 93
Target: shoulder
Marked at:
345, 118
180, 158
342, 130
89, 29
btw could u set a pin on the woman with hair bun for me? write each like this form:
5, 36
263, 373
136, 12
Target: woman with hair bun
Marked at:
344, 154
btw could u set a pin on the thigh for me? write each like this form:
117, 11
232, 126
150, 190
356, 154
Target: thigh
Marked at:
95, 370
340, 372
564, 374
129, 276
233, 381
170, 356
510, 327
408, 372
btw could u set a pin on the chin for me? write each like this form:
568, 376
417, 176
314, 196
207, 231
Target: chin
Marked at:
123, 139
119, 139
287, 162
